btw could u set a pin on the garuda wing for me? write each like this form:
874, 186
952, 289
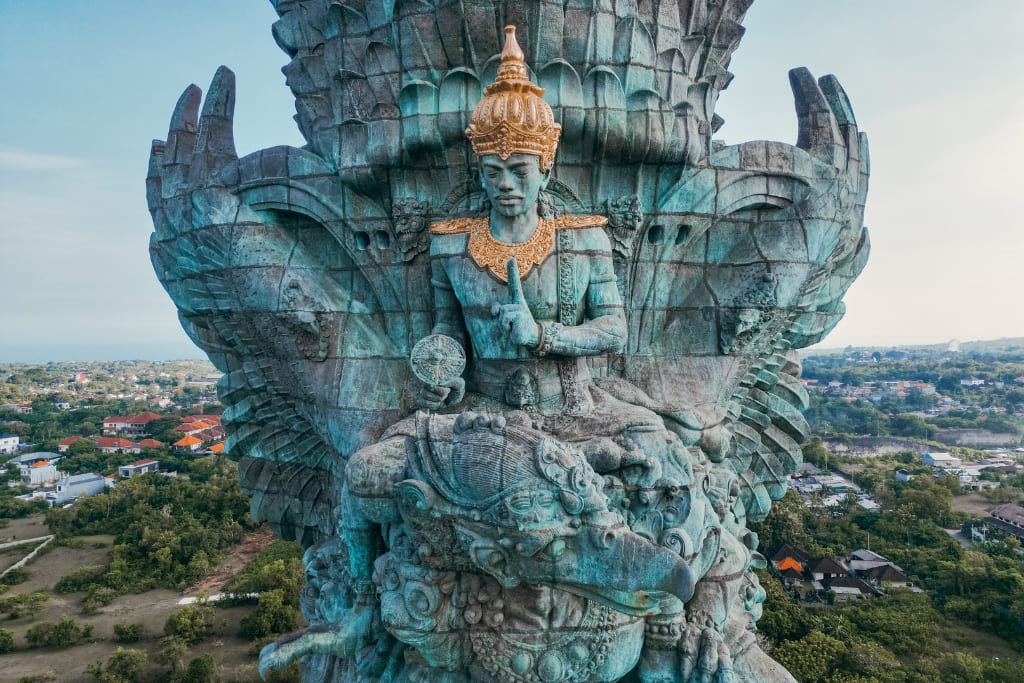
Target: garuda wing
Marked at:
275, 284
746, 259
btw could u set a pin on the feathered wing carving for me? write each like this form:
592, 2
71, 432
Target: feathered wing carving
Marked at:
303, 272
248, 250
633, 81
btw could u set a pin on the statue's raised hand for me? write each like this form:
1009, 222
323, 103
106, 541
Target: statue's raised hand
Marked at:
514, 316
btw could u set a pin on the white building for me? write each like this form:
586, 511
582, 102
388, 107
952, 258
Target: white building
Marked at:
138, 467
39, 473
76, 486
943, 460
9, 443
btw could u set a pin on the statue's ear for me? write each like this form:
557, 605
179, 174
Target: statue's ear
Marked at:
489, 557
545, 177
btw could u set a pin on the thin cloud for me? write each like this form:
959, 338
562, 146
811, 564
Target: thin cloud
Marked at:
20, 160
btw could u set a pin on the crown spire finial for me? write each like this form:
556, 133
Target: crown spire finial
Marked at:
512, 118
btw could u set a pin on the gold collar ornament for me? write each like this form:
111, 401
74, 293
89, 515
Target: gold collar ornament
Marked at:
492, 254
512, 118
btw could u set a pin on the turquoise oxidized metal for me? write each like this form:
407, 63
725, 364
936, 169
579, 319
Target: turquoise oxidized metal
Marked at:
510, 345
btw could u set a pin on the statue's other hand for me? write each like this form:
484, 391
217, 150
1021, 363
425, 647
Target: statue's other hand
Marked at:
514, 316
704, 658
434, 396
359, 627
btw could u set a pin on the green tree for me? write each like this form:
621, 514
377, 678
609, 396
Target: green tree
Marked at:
192, 623
172, 651
202, 669
811, 658
125, 666
129, 633
784, 523
271, 616
6, 641
870, 660
64, 634
82, 447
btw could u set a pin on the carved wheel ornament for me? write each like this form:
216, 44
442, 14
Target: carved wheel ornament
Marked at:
437, 359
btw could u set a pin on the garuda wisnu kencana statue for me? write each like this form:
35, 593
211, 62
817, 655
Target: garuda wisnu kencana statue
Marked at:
509, 345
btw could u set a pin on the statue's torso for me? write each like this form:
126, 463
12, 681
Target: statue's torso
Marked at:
477, 288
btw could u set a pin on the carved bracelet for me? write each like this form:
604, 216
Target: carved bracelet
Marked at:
548, 332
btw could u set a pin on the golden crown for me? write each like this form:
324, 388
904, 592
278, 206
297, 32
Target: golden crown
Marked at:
512, 118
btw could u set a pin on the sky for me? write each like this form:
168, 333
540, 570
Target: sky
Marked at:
85, 87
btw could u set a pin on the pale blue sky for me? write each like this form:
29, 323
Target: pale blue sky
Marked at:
86, 84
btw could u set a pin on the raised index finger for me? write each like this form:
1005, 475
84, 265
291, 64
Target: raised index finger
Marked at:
515, 285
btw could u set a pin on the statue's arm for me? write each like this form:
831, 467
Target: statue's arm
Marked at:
604, 326
447, 311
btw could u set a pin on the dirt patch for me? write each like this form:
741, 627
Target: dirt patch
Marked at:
26, 527
972, 503
231, 653
152, 609
235, 561
53, 562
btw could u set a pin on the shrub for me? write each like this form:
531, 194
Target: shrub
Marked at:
15, 606
289, 674
16, 576
44, 677
192, 623
125, 665
129, 633
96, 597
80, 579
202, 669
64, 634
6, 641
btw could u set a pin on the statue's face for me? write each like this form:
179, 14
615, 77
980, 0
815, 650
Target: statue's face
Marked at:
512, 184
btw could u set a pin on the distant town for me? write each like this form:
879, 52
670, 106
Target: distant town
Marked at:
56, 418
902, 531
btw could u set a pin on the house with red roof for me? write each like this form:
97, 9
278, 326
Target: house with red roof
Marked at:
788, 557
189, 443
108, 444
133, 425
63, 446
207, 429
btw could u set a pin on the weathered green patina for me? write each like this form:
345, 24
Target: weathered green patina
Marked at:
625, 292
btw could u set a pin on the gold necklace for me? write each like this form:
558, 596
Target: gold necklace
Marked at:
488, 252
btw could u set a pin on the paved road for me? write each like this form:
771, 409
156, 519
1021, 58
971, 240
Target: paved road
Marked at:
958, 537
24, 540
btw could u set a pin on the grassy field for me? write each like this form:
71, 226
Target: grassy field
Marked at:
152, 608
